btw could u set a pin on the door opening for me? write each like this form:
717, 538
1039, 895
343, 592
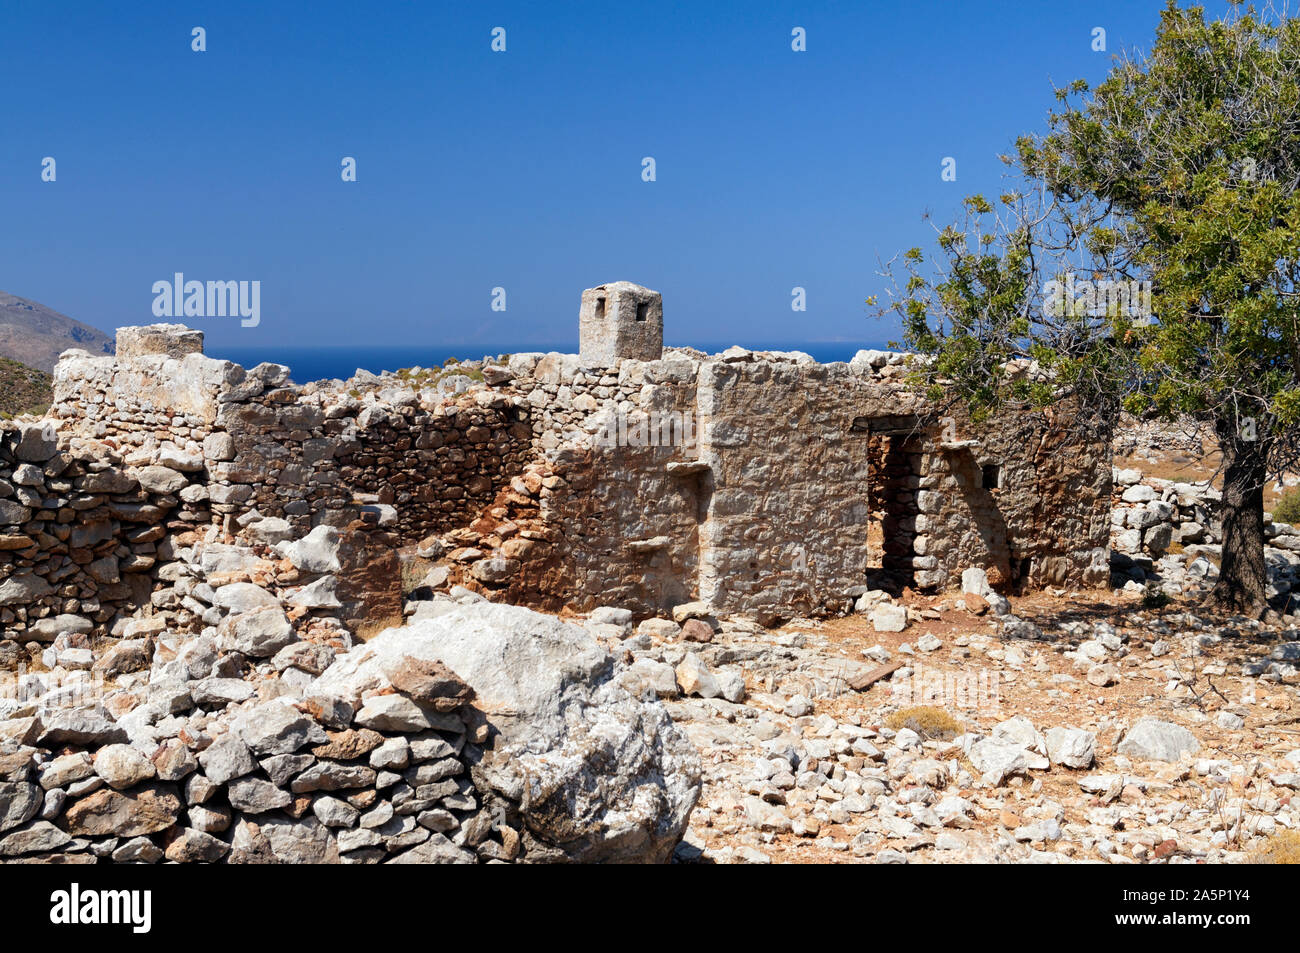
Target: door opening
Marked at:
894, 477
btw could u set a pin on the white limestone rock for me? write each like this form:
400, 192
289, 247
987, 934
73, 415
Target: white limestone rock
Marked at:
888, 617
258, 633
1154, 740
601, 775
317, 552
1071, 747
995, 760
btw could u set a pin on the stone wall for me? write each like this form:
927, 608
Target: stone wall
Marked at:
1028, 500
624, 495
1160, 440
308, 454
315, 456
244, 723
83, 529
767, 507
742, 479
1150, 515
272, 783
786, 519
1160, 529
140, 400
143, 449
1153, 516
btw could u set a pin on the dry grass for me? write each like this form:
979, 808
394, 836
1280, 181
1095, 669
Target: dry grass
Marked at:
932, 724
415, 569
1281, 848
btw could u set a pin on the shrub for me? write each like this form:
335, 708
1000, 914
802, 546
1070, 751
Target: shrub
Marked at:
1288, 508
928, 722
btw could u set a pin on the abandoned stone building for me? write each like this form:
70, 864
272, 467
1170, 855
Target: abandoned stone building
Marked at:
627, 474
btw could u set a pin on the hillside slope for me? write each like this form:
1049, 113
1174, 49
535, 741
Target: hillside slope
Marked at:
35, 335
22, 389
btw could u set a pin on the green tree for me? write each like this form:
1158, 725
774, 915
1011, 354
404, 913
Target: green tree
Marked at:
1182, 169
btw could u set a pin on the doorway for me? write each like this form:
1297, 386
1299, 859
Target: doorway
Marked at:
894, 453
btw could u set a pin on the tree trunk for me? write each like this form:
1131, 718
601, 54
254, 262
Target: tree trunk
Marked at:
1242, 574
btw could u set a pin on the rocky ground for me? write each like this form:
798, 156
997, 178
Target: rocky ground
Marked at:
266, 734
242, 720
1077, 728
967, 727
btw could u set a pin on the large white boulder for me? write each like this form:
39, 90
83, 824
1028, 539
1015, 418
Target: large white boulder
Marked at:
597, 774
1151, 739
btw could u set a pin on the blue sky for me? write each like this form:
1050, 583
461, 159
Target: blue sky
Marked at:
520, 169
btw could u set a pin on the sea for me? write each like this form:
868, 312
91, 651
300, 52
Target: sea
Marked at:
322, 363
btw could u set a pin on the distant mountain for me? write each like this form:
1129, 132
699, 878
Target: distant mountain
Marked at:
32, 334
22, 389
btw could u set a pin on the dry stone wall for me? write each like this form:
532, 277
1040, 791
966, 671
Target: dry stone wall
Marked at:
83, 530
315, 455
766, 505
1169, 531
1159, 440
160, 442
743, 479
1152, 516
310, 454
1027, 501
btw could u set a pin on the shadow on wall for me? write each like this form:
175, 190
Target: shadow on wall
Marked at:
978, 485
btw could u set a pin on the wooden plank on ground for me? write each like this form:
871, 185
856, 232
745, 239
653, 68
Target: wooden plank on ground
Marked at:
860, 683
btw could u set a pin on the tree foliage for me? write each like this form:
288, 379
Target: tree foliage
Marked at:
1181, 170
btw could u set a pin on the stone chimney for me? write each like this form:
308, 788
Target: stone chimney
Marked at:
620, 320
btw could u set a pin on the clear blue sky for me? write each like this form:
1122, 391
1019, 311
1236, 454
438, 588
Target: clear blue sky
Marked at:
519, 169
